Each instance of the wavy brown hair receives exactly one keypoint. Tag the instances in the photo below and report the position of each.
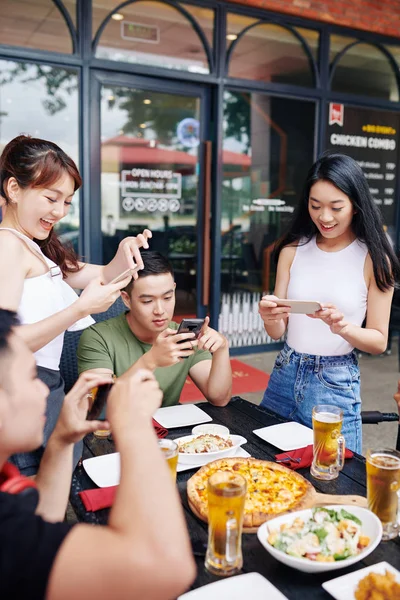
(36, 163)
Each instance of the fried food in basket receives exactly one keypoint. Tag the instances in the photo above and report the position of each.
(378, 587)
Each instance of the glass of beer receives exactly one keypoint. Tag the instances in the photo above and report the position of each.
(383, 489)
(226, 497)
(170, 451)
(329, 444)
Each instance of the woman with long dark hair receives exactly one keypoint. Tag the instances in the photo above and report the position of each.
(336, 252)
(38, 274)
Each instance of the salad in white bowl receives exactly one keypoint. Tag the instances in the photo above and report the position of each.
(322, 539)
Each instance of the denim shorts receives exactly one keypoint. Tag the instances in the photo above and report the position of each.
(300, 381)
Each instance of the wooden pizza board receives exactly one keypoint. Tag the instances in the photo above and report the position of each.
(311, 500)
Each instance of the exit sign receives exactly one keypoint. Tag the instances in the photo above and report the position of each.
(138, 32)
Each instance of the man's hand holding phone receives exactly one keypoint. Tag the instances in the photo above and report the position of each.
(72, 424)
(170, 348)
(210, 339)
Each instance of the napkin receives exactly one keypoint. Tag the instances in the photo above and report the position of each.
(160, 430)
(290, 459)
(98, 498)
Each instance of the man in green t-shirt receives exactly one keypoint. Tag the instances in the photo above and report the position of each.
(146, 337)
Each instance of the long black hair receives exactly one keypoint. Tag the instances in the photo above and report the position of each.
(345, 174)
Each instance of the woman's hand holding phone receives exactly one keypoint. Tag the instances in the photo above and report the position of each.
(97, 297)
(330, 315)
(269, 310)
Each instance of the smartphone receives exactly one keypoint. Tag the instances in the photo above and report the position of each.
(124, 274)
(302, 307)
(97, 410)
(190, 326)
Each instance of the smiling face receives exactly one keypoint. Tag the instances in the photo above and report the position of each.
(35, 211)
(151, 303)
(22, 400)
(331, 211)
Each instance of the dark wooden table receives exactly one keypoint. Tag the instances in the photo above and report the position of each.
(242, 418)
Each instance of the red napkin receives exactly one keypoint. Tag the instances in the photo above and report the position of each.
(160, 430)
(304, 454)
(98, 498)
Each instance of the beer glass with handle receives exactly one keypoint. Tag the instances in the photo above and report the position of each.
(329, 444)
(383, 489)
(226, 497)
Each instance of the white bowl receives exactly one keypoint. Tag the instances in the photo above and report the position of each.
(213, 428)
(195, 458)
(371, 526)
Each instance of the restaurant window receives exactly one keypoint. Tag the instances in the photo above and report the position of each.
(271, 53)
(51, 113)
(267, 150)
(157, 34)
(370, 136)
(337, 43)
(37, 24)
(365, 70)
(150, 175)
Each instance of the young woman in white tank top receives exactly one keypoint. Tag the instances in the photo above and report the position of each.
(337, 253)
(38, 275)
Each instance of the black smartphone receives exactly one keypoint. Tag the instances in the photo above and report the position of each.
(190, 326)
(97, 410)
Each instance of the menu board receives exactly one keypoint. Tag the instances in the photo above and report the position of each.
(371, 137)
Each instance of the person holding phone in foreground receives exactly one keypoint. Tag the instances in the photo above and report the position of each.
(146, 337)
(336, 252)
(38, 274)
(143, 552)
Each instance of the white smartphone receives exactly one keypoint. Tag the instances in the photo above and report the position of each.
(302, 307)
(124, 274)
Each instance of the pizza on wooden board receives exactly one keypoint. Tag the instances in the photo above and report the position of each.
(272, 489)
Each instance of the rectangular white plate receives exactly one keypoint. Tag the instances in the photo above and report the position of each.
(105, 471)
(181, 415)
(248, 585)
(286, 436)
(343, 588)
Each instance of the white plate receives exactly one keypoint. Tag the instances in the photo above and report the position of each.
(286, 436)
(343, 588)
(105, 470)
(181, 415)
(206, 457)
(248, 585)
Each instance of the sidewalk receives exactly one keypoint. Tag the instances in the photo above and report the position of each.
(379, 375)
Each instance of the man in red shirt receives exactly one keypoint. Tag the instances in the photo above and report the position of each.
(144, 551)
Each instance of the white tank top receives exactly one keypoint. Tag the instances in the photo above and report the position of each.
(335, 277)
(42, 297)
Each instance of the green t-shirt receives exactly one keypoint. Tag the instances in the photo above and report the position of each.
(112, 345)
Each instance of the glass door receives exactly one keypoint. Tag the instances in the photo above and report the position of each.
(153, 156)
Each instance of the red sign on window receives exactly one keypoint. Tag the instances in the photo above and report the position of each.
(336, 114)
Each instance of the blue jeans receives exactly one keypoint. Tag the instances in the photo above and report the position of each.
(300, 381)
(28, 462)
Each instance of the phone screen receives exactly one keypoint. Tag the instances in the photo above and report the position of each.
(97, 410)
(191, 326)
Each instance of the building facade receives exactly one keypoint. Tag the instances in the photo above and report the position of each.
(200, 120)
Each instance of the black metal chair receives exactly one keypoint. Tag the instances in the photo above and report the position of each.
(372, 417)
(69, 363)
